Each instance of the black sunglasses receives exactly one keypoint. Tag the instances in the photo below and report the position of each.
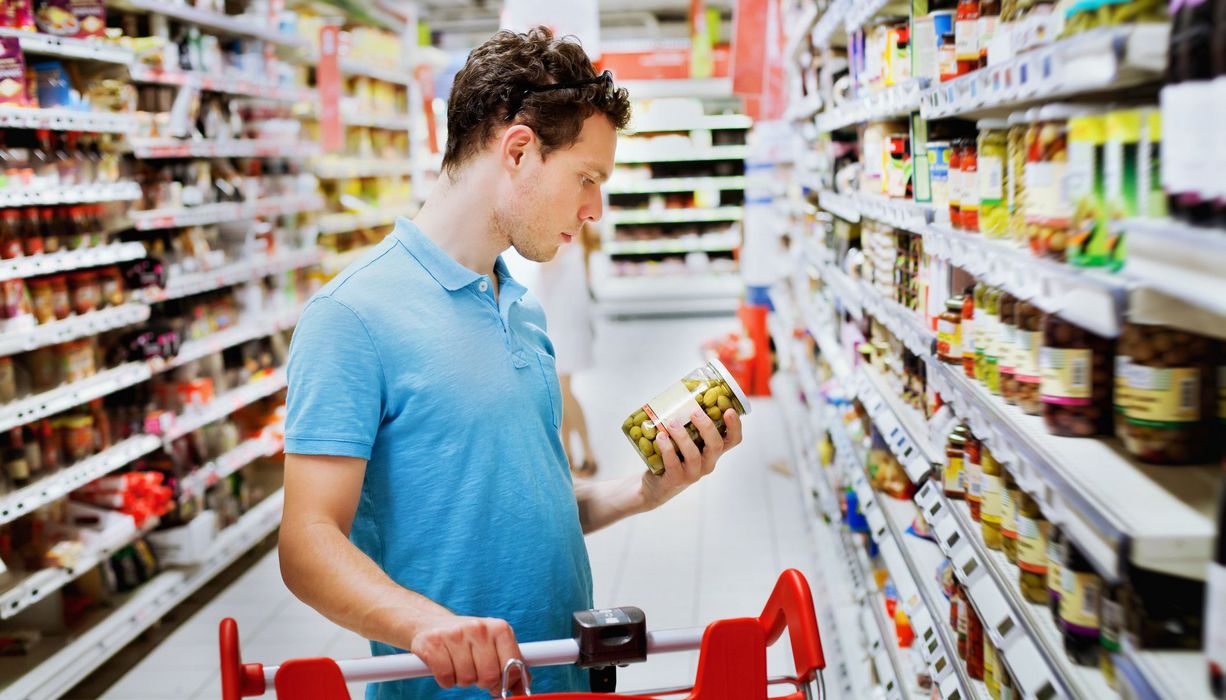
(517, 99)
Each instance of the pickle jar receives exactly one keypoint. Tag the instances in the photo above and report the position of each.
(1164, 394)
(1032, 551)
(1028, 341)
(1006, 362)
(968, 331)
(984, 331)
(1010, 494)
(949, 332)
(1075, 385)
(710, 388)
(991, 499)
(991, 160)
(1014, 182)
(992, 348)
(1049, 202)
(955, 463)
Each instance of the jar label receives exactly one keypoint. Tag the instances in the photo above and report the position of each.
(1008, 514)
(1032, 550)
(966, 39)
(947, 338)
(986, 337)
(1079, 601)
(1008, 357)
(968, 337)
(970, 188)
(1215, 616)
(1055, 555)
(1065, 378)
(674, 403)
(974, 480)
(1028, 345)
(1045, 199)
(990, 510)
(1157, 396)
(953, 476)
(1112, 621)
(991, 181)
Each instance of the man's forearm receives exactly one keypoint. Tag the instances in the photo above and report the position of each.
(602, 503)
(326, 571)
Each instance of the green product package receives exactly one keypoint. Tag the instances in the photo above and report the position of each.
(1088, 244)
(1124, 193)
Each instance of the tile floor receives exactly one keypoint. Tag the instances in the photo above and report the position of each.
(713, 552)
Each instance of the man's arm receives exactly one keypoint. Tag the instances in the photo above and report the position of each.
(326, 571)
(602, 503)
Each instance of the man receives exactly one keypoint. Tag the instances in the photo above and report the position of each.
(428, 501)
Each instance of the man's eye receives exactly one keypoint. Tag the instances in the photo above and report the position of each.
(588, 181)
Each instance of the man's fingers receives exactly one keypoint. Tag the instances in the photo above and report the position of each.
(713, 444)
(732, 426)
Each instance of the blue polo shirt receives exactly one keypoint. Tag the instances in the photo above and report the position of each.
(406, 360)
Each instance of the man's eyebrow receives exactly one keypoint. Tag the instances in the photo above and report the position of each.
(599, 171)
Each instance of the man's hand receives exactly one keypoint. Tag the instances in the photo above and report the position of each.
(468, 651)
(684, 463)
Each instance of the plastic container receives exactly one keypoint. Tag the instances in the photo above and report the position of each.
(991, 157)
(1028, 341)
(1164, 394)
(949, 335)
(710, 388)
(1076, 379)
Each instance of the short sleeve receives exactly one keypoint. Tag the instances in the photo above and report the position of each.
(335, 398)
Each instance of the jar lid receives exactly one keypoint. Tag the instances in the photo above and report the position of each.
(992, 124)
(954, 304)
(957, 438)
(736, 388)
(1017, 118)
(1061, 111)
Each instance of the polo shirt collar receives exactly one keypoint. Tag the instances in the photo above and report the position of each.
(442, 267)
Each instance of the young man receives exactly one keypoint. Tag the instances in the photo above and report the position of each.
(428, 501)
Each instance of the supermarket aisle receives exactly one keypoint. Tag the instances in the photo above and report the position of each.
(713, 552)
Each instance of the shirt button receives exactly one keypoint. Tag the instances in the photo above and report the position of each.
(484, 286)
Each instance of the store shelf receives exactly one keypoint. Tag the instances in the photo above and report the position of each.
(804, 109)
(258, 326)
(155, 148)
(390, 122)
(230, 85)
(66, 260)
(266, 444)
(346, 168)
(257, 27)
(232, 274)
(798, 30)
(1109, 58)
(904, 323)
(1165, 674)
(830, 23)
(194, 418)
(677, 87)
(710, 122)
(675, 216)
(675, 184)
(667, 294)
(62, 398)
(344, 223)
(899, 213)
(1091, 298)
(59, 484)
(56, 119)
(1178, 271)
(65, 660)
(40, 44)
(1098, 494)
(358, 69)
(71, 328)
(640, 154)
(903, 428)
(207, 214)
(674, 246)
(70, 194)
(897, 101)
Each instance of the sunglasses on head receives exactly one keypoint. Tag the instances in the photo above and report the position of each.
(517, 99)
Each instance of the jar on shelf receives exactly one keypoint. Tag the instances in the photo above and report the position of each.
(1032, 551)
(949, 336)
(10, 234)
(984, 331)
(1080, 592)
(1164, 394)
(968, 331)
(1111, 629)
(992, 347)
(1076, 382)
(1010, 496)
(85, 291)
(1015, 184)
(1007, 362)
(974, 642)
(973, 474)
(991, 157)
(970, 185)
(1028, 341)
(710, 388)
(966, 35)
(938, 176)
(955, 461)
(990, 664)
(61, 299)
(991, 499)
(1049, 206)
(955, 183)
(989, 18)
(964, 624)
(1057, 551)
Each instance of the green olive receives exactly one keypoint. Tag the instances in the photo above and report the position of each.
(709, 398)
(628, 423)
(656, 463)
(724, 390)
(640, 417)
(647, 447)
(724, 403)
(636, 433)
(650, 433)
(715, 413)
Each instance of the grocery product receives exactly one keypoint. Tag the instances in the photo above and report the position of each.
(1028, 343)
(1088, 243)
(1034, 548)
(969, 198)
(1165, 394)
(1015, 186)
(710, 388)
(1075, 385)
(992, 155)
(973, 474)
(1057, 552)
(1048, 205)
(992, 349)
(1010, 496)
(956, 149)
(939, 154)
(955, 456)
(1080, 592)
(968, 332)
(966, 32)
(1007, 348)
(992, 497)
(949, 336)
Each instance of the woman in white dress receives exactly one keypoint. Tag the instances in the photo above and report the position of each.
(562, 287)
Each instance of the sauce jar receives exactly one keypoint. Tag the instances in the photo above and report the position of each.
(77, 435)
(955, 460)
(966, 35)
(1007, 348)
(991, 157)
(50, 224)
(8, 380)
(10, 234)
(1028, 340)
(1010, 495)
(710, 388)
(949, 337)
(973, 475)
(1032, 551)
(42, 299)
(1164, 394)
(991, 499)
(955, 183)
(970, 185)
(968, 331)
(110, 280)
(31, 233)
(85, 291)
(1075, 386)
(61, 300)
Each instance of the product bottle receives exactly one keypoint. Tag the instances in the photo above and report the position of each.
(970, 185)
(1010, 495)
(1215, 608)
(991, 507)
(1187, 112)
(989, 16)
(955, 183)
(1081, 589)
(966, 35)
(968, 331)
(955, 455)
(1034, 579)
(974, 475)
(1057, 550)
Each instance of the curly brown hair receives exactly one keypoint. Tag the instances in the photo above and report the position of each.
(499, 70)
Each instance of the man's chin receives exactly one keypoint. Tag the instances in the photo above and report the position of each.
(538, 256)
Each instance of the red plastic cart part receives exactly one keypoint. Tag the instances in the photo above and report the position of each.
(731, 666)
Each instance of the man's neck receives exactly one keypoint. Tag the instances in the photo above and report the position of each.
(458, 218)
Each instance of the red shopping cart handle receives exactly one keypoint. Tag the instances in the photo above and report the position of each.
(732, 661)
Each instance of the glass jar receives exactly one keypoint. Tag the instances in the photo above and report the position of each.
(47, 223)
(76, 435)
(1080, 590)
(1164, 394)
(1088, 244)
(111, 281)
(968, 331)
(949, 335)
(85, 291)
(1057, 551)
(992, 346)
(964, 624)
(61, 300)
(10, 234)
(1111, 629)
(955, 183)
(1049, 207)
(1010, 495)
(970, 185)
(989, 17)
(990, 664)
(1032, 551)
(1007, 359)
(8, 380)
(1014, 182)
(710, 388)
(984, 330)
(1028, 340)
(973, 474)
(955, 460)
(991, 500)
(1076, 382)
(41, 299)
(991, 158)
(31, 233)
(966, 35)
(974, 642)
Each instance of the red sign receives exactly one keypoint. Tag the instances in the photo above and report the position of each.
(661, 64)
(757, 64)
(328, 80)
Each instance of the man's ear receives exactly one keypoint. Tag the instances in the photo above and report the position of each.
(516, 143)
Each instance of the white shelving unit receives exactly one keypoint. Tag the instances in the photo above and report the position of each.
(228, 84)
(71, 328)
(57, 119)
(643, 155)
(72, 194)
(67, 260)
(155, 148)
(62, 398)
(40, 44)
(674, 184)
(206, 214)
(231, 274)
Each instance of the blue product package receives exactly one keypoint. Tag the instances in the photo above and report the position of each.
(54, 87)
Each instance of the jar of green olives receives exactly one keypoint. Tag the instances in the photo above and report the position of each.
(710, 388)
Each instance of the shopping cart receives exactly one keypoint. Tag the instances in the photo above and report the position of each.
(731, 663)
